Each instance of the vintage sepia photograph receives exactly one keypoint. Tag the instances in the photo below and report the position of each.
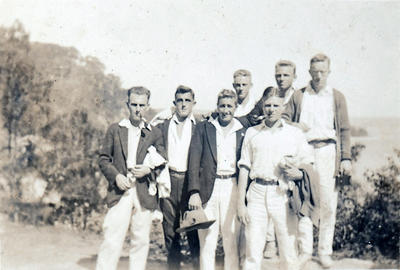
(199, 135)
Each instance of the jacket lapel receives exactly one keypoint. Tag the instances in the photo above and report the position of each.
(144, 137)
(212, 139)
(123, 137)
(166, 134)
(193, 128)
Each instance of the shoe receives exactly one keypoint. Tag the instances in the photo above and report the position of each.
(303, 259)
(326, 261)
(270, 250)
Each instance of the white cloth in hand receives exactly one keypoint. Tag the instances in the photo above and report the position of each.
(163, 182)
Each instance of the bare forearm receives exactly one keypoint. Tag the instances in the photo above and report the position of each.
(242, 185)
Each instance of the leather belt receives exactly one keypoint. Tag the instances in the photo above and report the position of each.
(266, 182)
(226, 176)
(171, 171)
(321, 143)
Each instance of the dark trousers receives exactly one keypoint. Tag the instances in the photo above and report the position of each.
(172, 209)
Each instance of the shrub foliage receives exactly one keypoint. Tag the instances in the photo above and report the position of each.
(368, 224)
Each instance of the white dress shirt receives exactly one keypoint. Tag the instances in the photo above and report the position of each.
(264, 149)
(133, 140)
(317, 113)
(226, 146)
(179, 137)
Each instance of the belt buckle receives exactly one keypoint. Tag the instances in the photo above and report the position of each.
(171, 171)
(225, 176)
(266, 182)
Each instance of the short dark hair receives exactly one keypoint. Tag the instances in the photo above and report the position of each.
(320, 57)
(242, 72)
(182, 89)
(139, 90)
(270, 92)
(286, 63)
(227, 93)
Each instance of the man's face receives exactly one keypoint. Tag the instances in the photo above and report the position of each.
(273, 108)
(184, 104)
(226, 108)
(242, 85)
(284, 76)
(319, 72)
(137, 105)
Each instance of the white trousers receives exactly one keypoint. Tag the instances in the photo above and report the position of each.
(326, 204)
(265, 203)
(222, 207)
(116, 223)
(270, 231)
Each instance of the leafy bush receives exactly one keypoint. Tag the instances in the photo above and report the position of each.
(368, 224)
(67, 159)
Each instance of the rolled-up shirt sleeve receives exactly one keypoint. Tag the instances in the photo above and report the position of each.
(246, 157)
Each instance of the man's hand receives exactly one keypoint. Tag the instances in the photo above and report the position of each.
(123, 182)
(210, 115)
(194, 201)
(345, 167)
(162, 116)
(292, 173)
(242, 214)
(139, 171)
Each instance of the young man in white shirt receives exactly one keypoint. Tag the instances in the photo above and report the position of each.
(321, 112)
(214, 151)
(265, 148)
(177, 133)
(128, 198)
(285, 75)
(242, 84)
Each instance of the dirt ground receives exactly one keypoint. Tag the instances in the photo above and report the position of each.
(46, 247)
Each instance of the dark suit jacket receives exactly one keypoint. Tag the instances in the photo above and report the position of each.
(112, 161)
(203, 158)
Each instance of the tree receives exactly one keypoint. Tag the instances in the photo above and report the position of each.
(23, 90)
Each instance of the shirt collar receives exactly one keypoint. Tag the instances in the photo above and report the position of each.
(247, 101)
(288, 94)
(190, 118)
(126, 123)
(235, 124)
(326, 90)
(279, 124)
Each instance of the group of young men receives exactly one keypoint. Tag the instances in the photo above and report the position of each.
(258, 168)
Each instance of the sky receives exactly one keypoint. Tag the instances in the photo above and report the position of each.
(162, 44)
